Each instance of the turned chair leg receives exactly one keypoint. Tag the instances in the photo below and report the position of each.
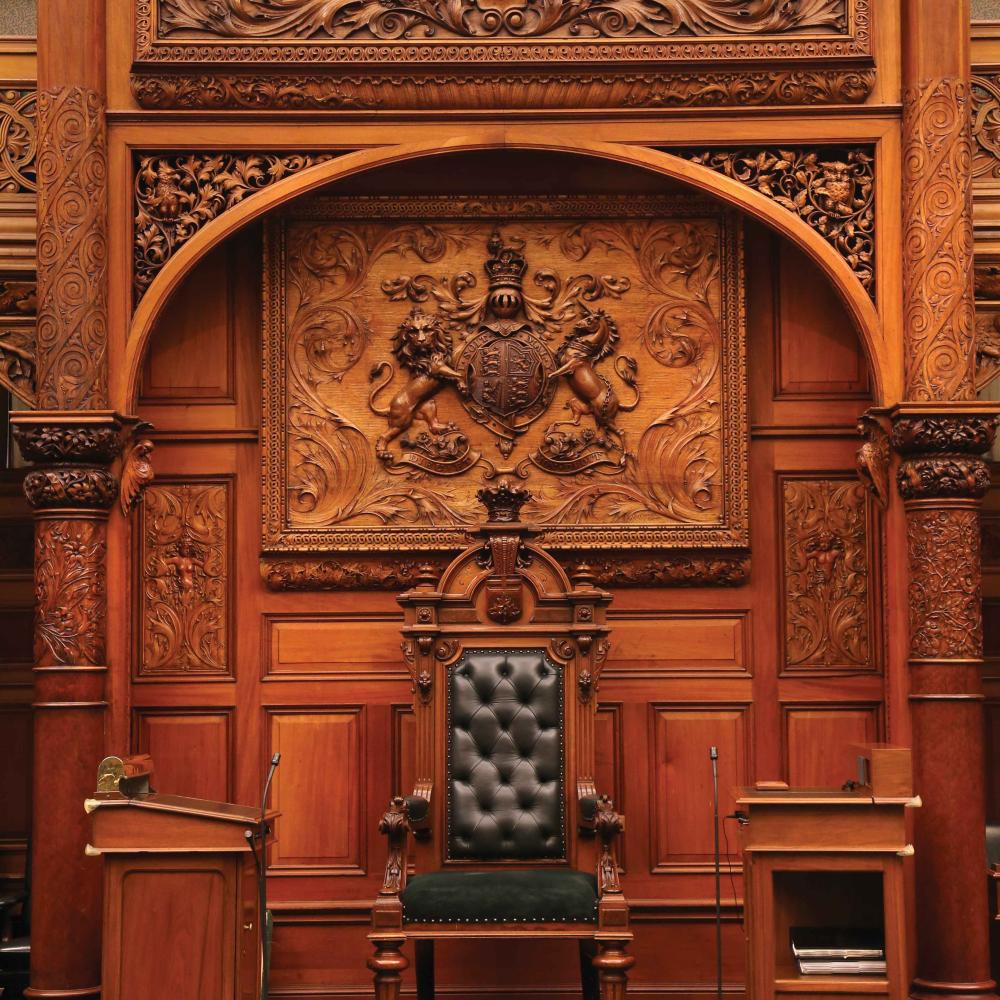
(388, 964)
(612, 965)
(425, 969)
(588, 974)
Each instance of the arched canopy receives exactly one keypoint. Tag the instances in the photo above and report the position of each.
(697, 177)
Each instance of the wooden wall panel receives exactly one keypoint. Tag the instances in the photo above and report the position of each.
(711, 643)
(192, 750)
(349, 645)
(819, 741)
(195, 364)
(319, 789)
(993, 760)
(681, 772)
(15, 771)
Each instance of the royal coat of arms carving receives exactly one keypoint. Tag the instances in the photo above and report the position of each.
(592, 349)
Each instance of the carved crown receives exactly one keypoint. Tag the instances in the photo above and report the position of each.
(503, 502)
(507, 265)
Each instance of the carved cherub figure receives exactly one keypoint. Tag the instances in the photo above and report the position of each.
(185, 564)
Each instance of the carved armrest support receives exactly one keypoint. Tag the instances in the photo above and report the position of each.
(395, 825)
(607, 824)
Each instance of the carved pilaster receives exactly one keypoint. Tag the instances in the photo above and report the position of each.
(72, 332)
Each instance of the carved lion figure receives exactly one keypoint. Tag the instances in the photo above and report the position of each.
(422, 346)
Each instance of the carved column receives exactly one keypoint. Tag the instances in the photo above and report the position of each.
(940, 434)
(73, 439)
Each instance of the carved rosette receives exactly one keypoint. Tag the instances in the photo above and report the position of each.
(72, 330)
(938, 242)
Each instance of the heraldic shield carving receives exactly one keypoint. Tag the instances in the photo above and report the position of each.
(418, 348)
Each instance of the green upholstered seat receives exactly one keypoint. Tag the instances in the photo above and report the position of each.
(557, 895)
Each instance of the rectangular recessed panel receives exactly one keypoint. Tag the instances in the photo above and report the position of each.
(820, 743)
(693, 642)
(15, 770)
(681, 778)
(325, 644)
(319, 788)
(190, 751)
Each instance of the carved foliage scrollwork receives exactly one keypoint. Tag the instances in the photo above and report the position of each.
(184, 568)
(349, 573)
(937, 242)
(399, 19)
(72, 331)
(18, 140)
(986, 125)
(832, 191)
(585, 88)
(942, 456)
(176, 195)
(70, 589)
(945, 598)
(826, 574)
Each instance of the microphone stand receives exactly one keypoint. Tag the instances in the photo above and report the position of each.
(713, 754)
(259, 863)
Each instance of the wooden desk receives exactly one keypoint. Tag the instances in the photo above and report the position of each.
(823, 858)
(181, 913)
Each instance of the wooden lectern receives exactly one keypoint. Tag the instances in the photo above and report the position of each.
(825, 858)
(181, 908)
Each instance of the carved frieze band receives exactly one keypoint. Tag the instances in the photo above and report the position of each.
(184, 567)
(454, 88)
(72, 330)
(938, 242)
(831, 189)
(17, 338)
(308, 31)
(18, 140)
(71, 591)
(668, 569)
(176, 195)
(825, 527)
(942, 456)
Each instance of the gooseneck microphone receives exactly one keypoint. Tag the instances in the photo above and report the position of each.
(713, 754)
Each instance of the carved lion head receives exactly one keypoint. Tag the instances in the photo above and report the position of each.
(419, 338)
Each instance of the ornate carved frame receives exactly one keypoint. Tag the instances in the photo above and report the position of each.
(410, 59)
(348, 557)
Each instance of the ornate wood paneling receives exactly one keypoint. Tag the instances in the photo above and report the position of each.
(681, 778)
(826, 596)
(819, 742)
(261, 56)
(710, 643)
(184, 579)
(176, 195)
(345, 646)
(330, 840)
(986, 125)
(192, 750)
(18, 139)
(384, 410)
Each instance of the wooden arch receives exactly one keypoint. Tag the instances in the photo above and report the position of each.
(732, 192)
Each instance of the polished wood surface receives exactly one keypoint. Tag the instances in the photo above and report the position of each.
(181, 907)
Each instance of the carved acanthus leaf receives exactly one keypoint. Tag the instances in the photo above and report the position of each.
(338, 19)
(454, 88)
(176, 195)
(831, 189)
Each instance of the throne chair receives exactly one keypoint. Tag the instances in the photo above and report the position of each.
(510, 838)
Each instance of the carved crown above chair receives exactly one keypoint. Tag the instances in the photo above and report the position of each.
(512, 839)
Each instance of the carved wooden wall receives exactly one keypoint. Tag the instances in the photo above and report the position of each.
(783, 672)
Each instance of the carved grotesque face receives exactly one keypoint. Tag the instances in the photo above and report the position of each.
(838, 187)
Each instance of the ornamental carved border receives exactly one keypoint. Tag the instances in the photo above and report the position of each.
(938, 307)
(72, 330)
(343, 31)
(177, 194)
(382, 346)
(449, 88)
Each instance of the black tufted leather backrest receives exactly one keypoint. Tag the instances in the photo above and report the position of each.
(505, 756)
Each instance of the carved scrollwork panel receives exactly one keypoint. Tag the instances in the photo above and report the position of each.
(18, 357)
(827, 604)
(18, 140)
(986, 125)
(833, 190)
(938, 242)
(72, 331)
(416, 350)
(184, 566)
(176, 195)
